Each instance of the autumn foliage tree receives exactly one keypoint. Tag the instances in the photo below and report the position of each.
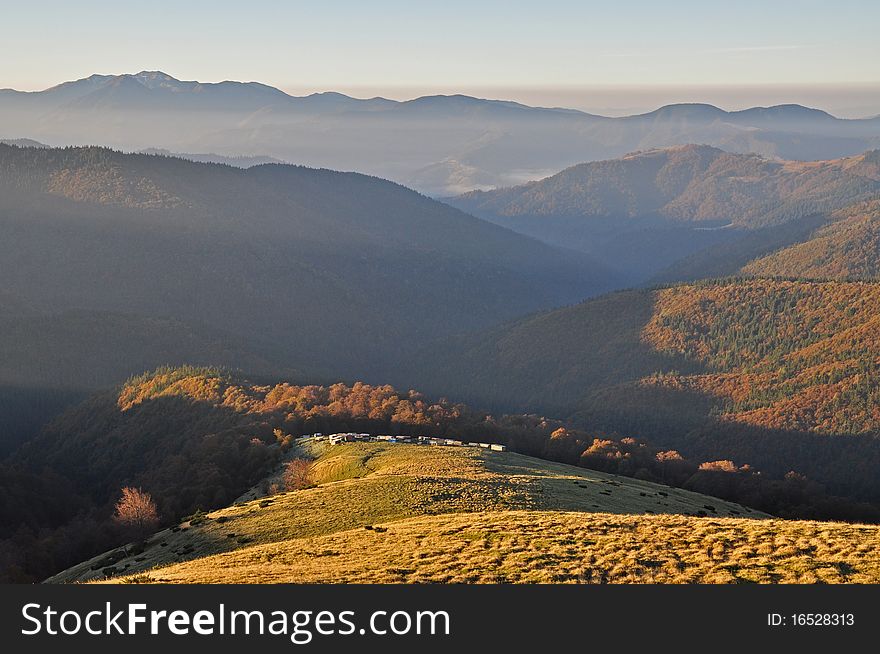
(297, 474)
(136, 512)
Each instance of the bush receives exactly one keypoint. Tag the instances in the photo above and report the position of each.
(297, 474)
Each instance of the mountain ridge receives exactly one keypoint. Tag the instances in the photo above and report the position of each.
(652, 208)
(496, 142)
(159, 80)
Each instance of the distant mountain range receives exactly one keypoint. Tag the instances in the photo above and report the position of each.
(440, 145)
(649, 210)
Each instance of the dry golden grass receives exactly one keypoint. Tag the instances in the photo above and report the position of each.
(553, 547)
(370, 483)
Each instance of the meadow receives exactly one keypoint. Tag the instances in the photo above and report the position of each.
(360, 486)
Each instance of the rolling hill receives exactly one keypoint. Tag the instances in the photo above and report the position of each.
(440, 144)
(23, 143)
(689, 183)
(649, 210)
(370, 487)
(331, 273)
(728, 257)
(778, 374)
(382, 513)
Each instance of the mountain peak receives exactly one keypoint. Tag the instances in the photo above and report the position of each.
(155, 76)
(685, 110)
(157, 80)
(784, 111)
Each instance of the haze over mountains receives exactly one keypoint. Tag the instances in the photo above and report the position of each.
(440, 145)
(116, 263)
(741, 363)
(648, 210)
(113, 263)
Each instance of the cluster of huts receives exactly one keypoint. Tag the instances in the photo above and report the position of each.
(351, 437)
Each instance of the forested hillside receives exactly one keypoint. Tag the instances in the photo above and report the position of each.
(689, 183)
(298, 257)
(114, 263)
(778, 374)
(847, 248)
(52, 360)
(649, 210)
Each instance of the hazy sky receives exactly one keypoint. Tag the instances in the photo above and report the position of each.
(612, 55)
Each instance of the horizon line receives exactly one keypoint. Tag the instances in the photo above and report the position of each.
(546, 88)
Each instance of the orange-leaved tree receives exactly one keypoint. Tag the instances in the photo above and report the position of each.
(297, 474)
(136, 512)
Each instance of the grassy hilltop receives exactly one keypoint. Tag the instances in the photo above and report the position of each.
(359, 485)
(404, 513)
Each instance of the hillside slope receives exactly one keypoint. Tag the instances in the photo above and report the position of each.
(198, 439)
(757, 371)
(750, 341)
(552, 547)
(688, 183)
(361, 485)
(332, 273)
(847, 248)
(648, 210)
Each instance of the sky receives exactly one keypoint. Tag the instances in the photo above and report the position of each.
(610, 57)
